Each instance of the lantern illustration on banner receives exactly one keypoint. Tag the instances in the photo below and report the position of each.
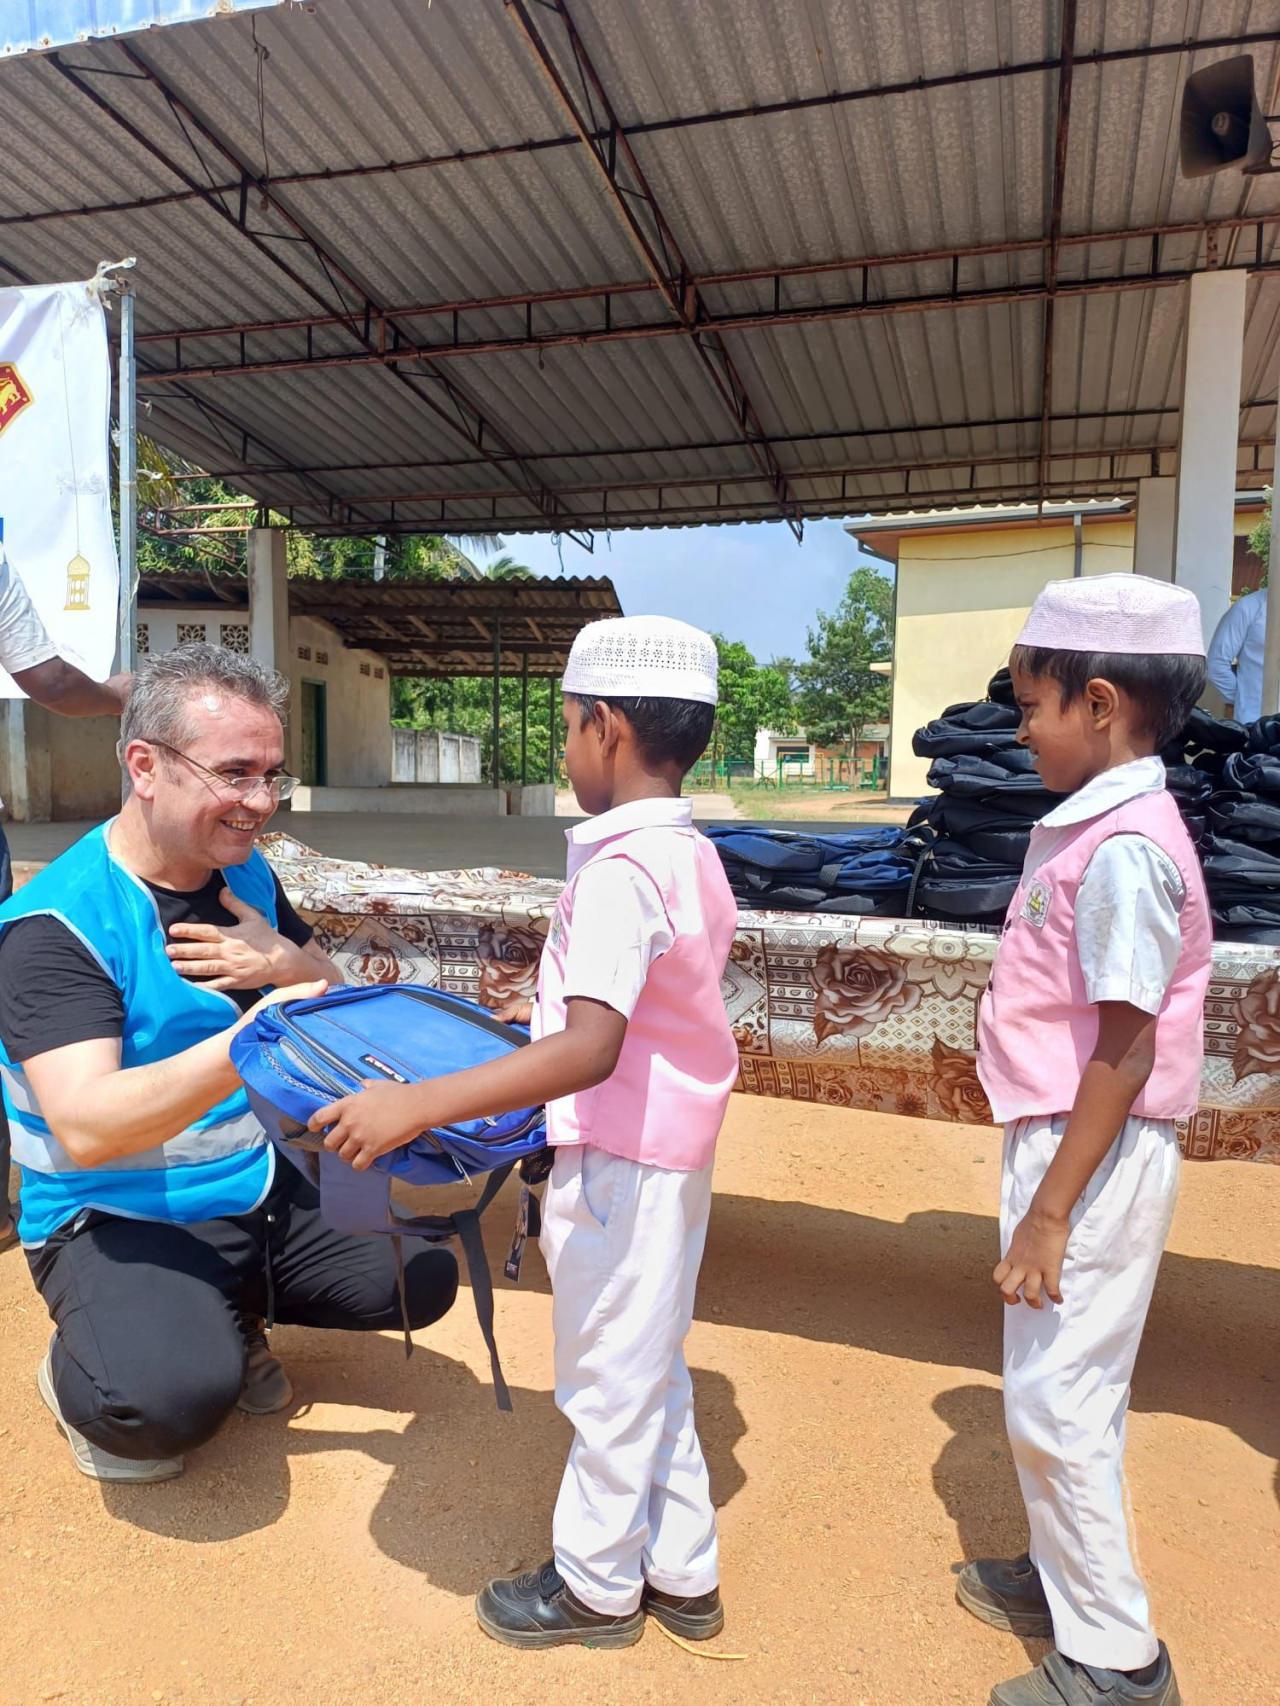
(77, 583)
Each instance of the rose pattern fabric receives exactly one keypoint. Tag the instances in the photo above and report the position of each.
(957, 1085)
(509, 958)
(867, 1014)
(1258, 1044)
(858, 988)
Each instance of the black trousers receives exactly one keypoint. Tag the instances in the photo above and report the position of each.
(148, 1358)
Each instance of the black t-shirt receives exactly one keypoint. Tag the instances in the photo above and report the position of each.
(54, 992)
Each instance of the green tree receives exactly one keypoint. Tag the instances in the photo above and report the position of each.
(752, 697)
(1260, 538)
(838, 694)
(505, 568)
(464, 706)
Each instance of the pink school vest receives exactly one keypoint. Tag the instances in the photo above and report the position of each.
(665, 1101)
(1037, 1029)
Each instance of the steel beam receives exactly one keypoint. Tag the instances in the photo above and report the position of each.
(1061, 141)
(708, 328)
(654, 127)
(913, 499)
(637, 206)
(457, 412)
(222, 420)
(770, 279)
(778, 440)
(608, 489)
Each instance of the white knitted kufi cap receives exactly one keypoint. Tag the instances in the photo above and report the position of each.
(643, 657)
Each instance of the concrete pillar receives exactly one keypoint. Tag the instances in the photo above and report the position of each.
(1271, 644)
(1153, 546)
(269, 624)
(1204, 542)
(26, 761)
(268, 598)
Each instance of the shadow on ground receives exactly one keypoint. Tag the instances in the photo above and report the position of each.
(917, 1289)
(446, 1510)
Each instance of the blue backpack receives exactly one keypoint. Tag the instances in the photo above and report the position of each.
(298, 1056)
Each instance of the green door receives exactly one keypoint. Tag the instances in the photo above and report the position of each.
(315, 738)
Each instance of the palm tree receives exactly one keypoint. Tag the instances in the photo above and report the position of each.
(505, 568)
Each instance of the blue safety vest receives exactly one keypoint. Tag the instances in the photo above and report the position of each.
(221, 1163)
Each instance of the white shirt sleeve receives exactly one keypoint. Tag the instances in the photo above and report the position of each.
(1128, 922)
(23, 640)
(620, 927)
(1226, 646)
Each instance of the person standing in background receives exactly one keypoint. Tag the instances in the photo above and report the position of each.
(1235, 656)
(31, 658)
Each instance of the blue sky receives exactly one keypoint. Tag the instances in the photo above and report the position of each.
(752, 581)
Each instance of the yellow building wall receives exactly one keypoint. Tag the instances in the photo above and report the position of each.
(962, 599)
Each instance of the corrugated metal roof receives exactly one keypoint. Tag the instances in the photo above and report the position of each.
(36, 26)
(427, 627)
(408, 157)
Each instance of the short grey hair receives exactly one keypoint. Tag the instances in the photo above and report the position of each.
(159, 707)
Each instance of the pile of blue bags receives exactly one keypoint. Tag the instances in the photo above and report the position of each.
(860, 870)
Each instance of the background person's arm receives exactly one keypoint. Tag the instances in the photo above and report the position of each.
(59, 686)
(31, 657)
(1225, 647)
(101, 1112)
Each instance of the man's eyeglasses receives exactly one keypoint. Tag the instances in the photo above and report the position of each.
(278, 785)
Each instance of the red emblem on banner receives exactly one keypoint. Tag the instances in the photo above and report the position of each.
(14, 395)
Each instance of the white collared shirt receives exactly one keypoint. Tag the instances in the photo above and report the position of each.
(1129, 903)
(620, 925)
(1236, 656)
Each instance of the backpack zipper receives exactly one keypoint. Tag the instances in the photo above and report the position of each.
(308, 1044)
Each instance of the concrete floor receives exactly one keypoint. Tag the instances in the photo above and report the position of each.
(533, 844)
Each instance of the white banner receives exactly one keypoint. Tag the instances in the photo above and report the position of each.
(55, 484)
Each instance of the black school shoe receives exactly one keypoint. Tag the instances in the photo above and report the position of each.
(1008, 1594)
(698, 1619)
(1060, 1681)
(538, 1609)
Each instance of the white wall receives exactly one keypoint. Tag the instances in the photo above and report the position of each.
(766, 753)
(358, 703)
(358, 700)
(432, 755)
(84, 777)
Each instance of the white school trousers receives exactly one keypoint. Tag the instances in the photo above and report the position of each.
(623, 1244)
(1067, 1369)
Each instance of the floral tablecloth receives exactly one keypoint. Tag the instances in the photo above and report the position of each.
(869, 1013)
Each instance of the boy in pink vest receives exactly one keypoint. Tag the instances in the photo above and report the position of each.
(634, 1057)
(1090, 1046)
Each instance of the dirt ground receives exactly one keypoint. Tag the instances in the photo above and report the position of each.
(845, 1354)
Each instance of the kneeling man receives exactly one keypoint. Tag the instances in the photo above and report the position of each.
(158, 1230)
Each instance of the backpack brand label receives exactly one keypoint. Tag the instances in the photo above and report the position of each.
(382, 1067)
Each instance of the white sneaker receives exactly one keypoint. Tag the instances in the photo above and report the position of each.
(91, 1460)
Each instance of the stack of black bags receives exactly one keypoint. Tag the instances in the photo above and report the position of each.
(970, 839)
(1240, 848)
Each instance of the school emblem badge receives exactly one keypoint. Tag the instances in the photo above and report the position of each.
(1035, 903)
(14, 395)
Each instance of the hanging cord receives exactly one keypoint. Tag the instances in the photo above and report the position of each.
(263, 55)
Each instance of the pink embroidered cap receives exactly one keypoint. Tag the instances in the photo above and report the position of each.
(1125, 615)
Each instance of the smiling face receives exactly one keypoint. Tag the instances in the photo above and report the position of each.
(192, 806)
(1065, 741)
